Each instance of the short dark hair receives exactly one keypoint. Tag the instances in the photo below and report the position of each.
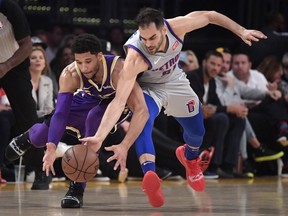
(86, 43)
(146, 16)
(242, 51)
(213, 53)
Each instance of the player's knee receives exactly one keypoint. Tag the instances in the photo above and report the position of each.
(38, 135)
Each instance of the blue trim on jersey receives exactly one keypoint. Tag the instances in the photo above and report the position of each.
(172, 32)
(142, 54)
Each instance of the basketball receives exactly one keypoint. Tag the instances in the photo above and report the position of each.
(80, 163)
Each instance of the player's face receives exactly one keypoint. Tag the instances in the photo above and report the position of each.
(37, 61)
(89, 64)
(241, 66)
(153, 38)
(212, 66)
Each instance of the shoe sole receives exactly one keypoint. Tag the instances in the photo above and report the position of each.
(269, 158)
(152, 188)
(70, 205)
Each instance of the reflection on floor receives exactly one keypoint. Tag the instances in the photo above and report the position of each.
(260, 196)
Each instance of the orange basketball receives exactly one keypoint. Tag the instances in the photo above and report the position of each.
(80, 163)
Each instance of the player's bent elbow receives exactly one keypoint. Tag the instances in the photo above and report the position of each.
(211, 15)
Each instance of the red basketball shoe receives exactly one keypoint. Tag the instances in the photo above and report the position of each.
(151, 185)
(194, 173)
(205, 158)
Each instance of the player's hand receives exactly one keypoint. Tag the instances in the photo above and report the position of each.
(120, 155)
(93, 142)
(248, 36)
(49, 158)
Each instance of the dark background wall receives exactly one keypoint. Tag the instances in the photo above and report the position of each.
(97, 16)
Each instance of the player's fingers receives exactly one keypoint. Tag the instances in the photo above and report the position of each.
(248, 42)
(113, 157)
(53, 170)
(122, 167)
(116, 165)
(85, 139)
(253, 38)
(109, 148)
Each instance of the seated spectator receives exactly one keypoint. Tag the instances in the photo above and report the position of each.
(227, 56)
(232, 91)
(271, 67)
(188, 61)
(262, 115)
(42, 85)
(42, 93)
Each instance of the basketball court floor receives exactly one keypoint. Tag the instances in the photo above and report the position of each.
(265, 196)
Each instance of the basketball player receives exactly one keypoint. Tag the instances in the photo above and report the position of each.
(155, 49)
(92, 79)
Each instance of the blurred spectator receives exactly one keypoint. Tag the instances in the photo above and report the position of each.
(67, 40)
(183, 61)
(188, 61)
(232, 91)
(64, 57)
(193, 63)
(42, 84)
(117, 38)
(42, 35)
(37, 42)
(106, 46)
(54, 38)
(227, 57)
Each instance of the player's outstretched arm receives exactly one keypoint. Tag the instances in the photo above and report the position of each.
(133, 65)
(137, 104)
(68, 83)
(198, 19)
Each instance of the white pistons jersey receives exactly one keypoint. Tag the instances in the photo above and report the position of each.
(164, 80)
(162, 66)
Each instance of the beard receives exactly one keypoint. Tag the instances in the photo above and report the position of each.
(157, 47)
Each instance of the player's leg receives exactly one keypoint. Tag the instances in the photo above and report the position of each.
(194, 130)
(74, 196)
(151, 183)
(37, 136)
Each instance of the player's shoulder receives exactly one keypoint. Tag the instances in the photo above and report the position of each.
(118, 66)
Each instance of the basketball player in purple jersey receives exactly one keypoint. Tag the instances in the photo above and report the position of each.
(86, 87)
(155, 49)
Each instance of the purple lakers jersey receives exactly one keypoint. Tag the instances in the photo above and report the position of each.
(91, 94)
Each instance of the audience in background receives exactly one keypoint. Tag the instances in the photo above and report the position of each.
(232, 91)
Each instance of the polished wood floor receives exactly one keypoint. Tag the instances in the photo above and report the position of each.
(265, 196)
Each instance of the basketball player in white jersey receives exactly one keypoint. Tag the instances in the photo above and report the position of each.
(154, 50)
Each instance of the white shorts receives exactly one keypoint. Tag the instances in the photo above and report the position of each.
(177, 97)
